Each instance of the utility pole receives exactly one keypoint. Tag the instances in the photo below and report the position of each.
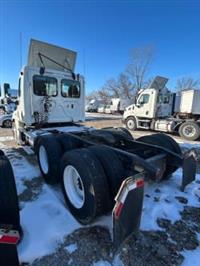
(20, 49)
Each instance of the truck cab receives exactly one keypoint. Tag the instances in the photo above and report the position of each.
(154, 102)
(53, 97)
(49, 92)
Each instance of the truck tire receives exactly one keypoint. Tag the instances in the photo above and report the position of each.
(127, 133)
(7, 123)
(9, 205)
(131, 123)
(120, 131)
(68, 143)
(114, 171)
(49, 153)
(189, 130)
(165, 142)
(84, 185)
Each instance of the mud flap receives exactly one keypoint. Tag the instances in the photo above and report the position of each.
(8, 248)
(189, 169)
(127, 211)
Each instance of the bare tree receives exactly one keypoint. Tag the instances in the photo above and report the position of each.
(125, 86)
(186, 83)
(103, 94)
(141, 60)
(92, 95)
(112, 87)
(100, 94)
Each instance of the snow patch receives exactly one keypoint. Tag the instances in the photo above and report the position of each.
(163, 204)
(22, 169)
(6, 138)
(45, 222)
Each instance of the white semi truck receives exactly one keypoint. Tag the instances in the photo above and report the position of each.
(93, 105)
(118, 105)
(51, 105)
(157, 108)
(7, 99)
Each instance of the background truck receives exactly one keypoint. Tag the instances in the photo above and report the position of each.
(8, 98)
(93, 105)
(118, 105)
(157, 108)
(51, 105)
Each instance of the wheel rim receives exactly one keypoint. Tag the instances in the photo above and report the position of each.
(131, 124)
(43, 159)
(7, 123)
(189, 131)
(74, 187)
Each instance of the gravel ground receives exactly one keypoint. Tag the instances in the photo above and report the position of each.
(89, 245)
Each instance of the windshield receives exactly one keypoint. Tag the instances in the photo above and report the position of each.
(144, 98)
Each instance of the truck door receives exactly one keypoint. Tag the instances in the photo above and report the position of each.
(145, 106)
(164, 105)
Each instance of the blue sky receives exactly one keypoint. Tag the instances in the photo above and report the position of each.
(103, 33)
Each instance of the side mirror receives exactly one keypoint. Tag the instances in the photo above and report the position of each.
(6, 88)
(17, 102)
(138, 105)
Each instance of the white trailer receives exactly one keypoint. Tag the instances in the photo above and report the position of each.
(157, 108)
(51, 105)
(190, 102)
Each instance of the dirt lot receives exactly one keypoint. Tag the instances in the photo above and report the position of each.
(93, 245)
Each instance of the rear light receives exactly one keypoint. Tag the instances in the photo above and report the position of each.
(9, 237)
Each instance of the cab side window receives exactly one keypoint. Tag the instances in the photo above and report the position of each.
(163, 98)
(70, 88)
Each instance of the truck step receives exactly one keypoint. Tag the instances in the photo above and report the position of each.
(144, 120)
